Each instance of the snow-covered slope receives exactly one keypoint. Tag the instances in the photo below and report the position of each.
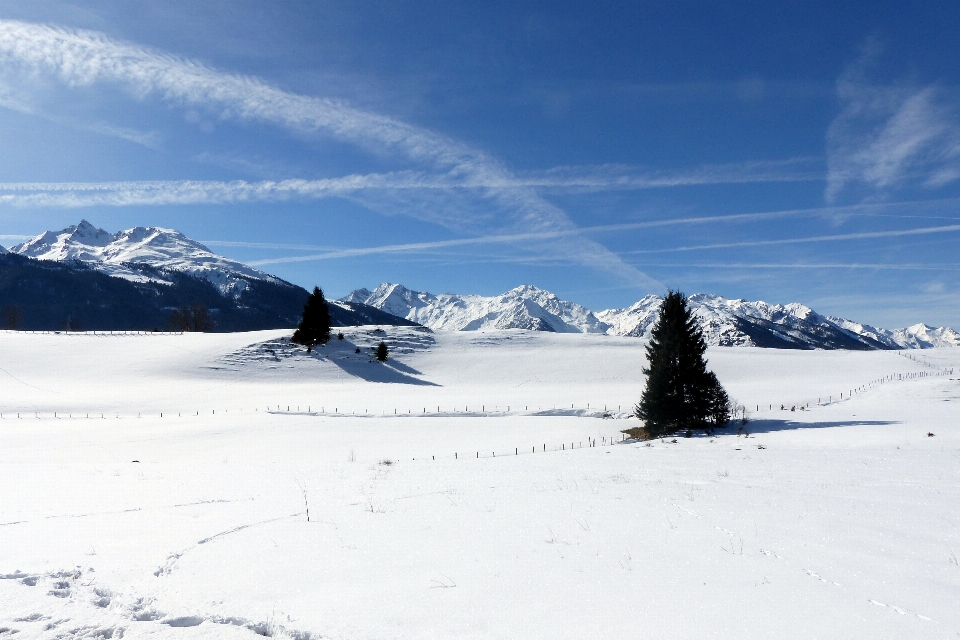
(121, 255)
(725, 322)
(233, 487)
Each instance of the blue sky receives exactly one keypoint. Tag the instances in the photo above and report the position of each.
(783, 151)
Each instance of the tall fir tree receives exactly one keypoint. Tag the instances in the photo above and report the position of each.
(680, 394)
(314, 326)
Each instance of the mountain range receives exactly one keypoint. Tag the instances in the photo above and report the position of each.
(83, 277)
(725, 322)
(143, 254)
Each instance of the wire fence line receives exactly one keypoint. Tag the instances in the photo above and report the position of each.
(589, 410)
(851, 392)
(98, 333)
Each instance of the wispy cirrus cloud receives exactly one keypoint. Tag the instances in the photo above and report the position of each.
(171, 192)
(85, 58)
(591, 178)
(866, 235)
(868, 210)
(608, 177)
(869, 266)
(265, 245)
(20, 101)
(887, 137)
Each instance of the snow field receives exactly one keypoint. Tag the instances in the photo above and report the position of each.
(846, 523)
(469, 372)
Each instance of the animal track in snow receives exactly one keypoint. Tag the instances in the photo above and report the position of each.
(168, 565)
(695, 515)
(813, 574)
(901, 610)
(245, 526)
(100, 613)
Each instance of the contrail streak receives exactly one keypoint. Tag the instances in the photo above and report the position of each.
(84, 58)
(805, 265)
(521, 237)
(846, 236)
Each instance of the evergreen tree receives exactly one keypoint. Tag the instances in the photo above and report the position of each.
(314, 326)
(680, 394)
(719, 403)
(382, 351)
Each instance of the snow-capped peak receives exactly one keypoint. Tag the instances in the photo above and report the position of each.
(525, 307)
(123, 254)
(76, 242)
(922, 336)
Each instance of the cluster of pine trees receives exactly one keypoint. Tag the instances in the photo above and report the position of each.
(681, 395)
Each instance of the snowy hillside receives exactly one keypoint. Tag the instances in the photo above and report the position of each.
(233, 486)
(725, 322)
(120, 254)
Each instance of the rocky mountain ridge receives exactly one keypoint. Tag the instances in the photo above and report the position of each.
(725, 322)
(122, 254)
(85, 277)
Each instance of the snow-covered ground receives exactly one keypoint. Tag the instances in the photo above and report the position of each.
(478, 509)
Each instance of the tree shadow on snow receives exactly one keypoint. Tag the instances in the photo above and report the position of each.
(769, 426)
(362, 365)
(399, 366)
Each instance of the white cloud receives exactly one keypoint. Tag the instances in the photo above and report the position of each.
(167, 192)
(265, 245)
(870, 266)
(625, 177)
(867, 235)
(740, 218)
(20, 100)
(83, 58)
(890, 137)
(149, 139)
